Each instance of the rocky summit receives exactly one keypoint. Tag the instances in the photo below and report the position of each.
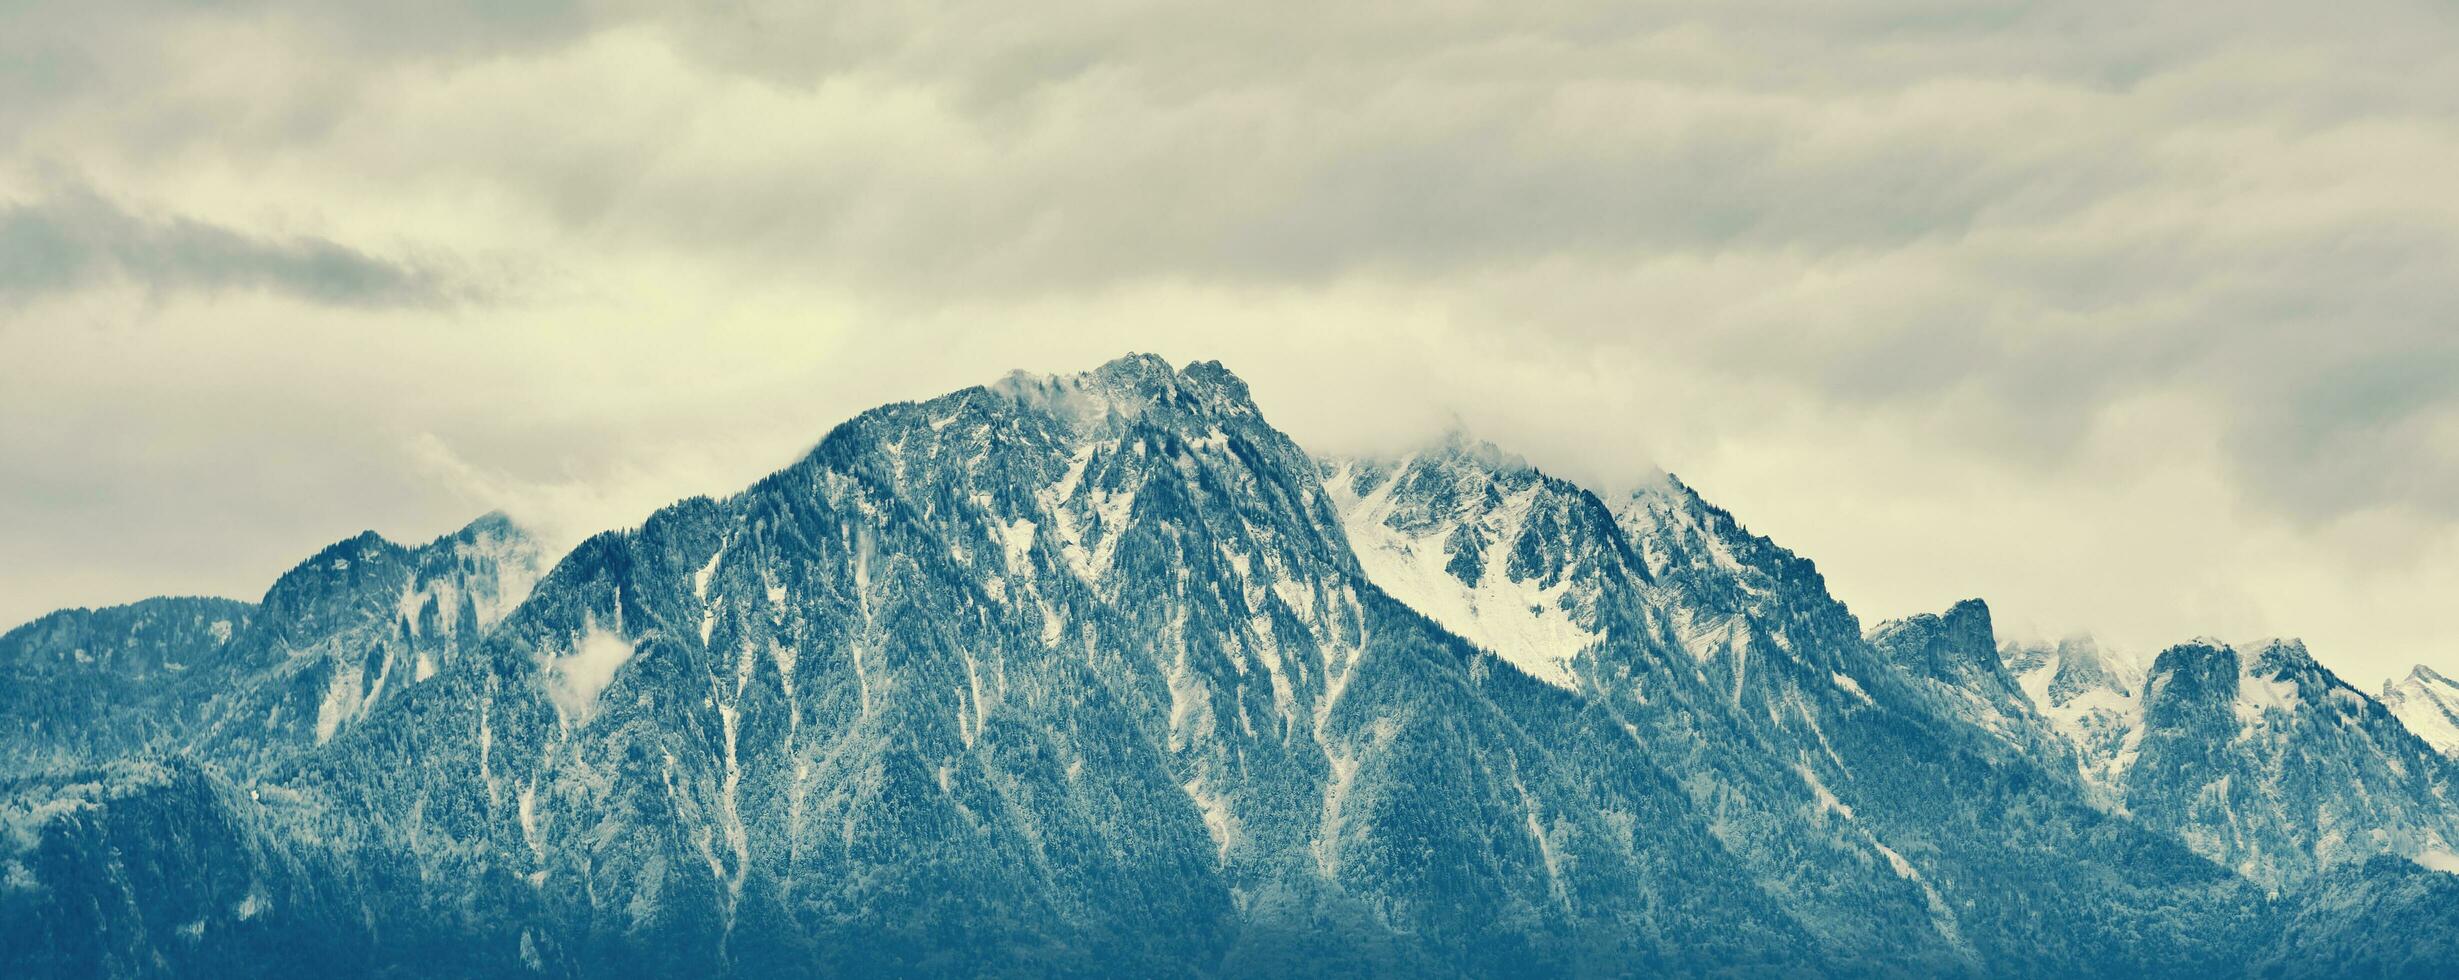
(1104, 675)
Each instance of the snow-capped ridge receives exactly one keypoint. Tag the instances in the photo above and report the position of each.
(2428, 703)
(1000, 657)
(1122, 390)
(2255, 754)
(1451, 531)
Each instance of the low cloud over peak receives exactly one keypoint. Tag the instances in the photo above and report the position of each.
(2130, 320)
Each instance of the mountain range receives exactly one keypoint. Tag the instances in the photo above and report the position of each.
(1102, 674)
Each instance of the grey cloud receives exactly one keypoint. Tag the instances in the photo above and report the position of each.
(77, 239)
(1994, 229)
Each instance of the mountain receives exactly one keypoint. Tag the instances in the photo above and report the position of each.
(1954, 658)
(1878, 822)
(245, 683)
(2385, 917)
(2260, 759)
(1103, 674)
(1079, 670)
(2087, 696)
(2270, 764)
(363, 621)
(101, 683)
(2428, 704)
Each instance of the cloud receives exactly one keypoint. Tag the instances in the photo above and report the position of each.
(76, 239)
(1959, 297)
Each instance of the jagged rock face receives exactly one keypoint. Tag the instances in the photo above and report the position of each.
(90, 684)
(1828, 768)
(360, 622)
(1499, 554)
(1959, 648)
(2271, 765)
(1955, 660)
(1542, 574)
(245, 685)
(2428, 704)
(1731, 593)
(2089, 698)
(2262, 760)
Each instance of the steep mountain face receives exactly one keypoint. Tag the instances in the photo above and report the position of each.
(2428, 704)
(360, 622)
(1540, 573)
(1080, 669)
(1830, 771)
(1955, 660)
(244, 684)
(100, 683)
(1494, 551)
(2087, 696)
(1941, 798)
(1102, 674)
(2262, 759)
(2272, 766)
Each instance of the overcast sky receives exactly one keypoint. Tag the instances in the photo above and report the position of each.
(2137, 320)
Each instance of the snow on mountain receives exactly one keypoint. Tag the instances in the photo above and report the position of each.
(88, 684)
(360, 623)
(2089, 697)
(1085, 660)
(345, 630)
(2428, 703)
(1725, 655)
(2259, 758)
(1731, 596)
(1458, 533)
(1955, 659)
(1100, 673)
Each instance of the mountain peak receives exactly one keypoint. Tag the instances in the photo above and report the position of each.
(494, 523)
(1460, 445)
(1123, 389)
(1971, 613)
(2428, 704)
(2199, 653)
(1662, 486)
(989, 660)
(2278, 657)
(1959, 647)
(341, 556)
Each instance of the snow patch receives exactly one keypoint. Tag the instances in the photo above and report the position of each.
(700, 579)
(1828, 803)
(341, 700)
(2428, 703)
(2259, 696)
(1903, 869)
(1220, 820)
(1519, 620)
